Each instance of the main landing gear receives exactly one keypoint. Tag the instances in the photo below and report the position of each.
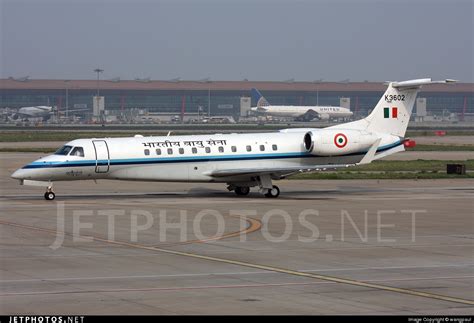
(266, 186)
(273, 192)
(242, 190)
(49, 195)
(267, 192)
(264, 182)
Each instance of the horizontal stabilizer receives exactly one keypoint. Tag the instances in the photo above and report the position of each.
(419, 82)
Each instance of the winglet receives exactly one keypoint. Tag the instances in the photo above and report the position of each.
(369, 156)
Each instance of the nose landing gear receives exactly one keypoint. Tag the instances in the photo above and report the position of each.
(49, 195)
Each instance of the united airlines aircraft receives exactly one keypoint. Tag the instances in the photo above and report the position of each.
(302, 113)
(40, 112)
(43, 112)
(242, 161)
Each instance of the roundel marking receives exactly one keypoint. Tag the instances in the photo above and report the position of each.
(340, 140)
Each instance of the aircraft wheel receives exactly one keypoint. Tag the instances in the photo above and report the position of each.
(49, 196)
(242, 190)
(273, 192)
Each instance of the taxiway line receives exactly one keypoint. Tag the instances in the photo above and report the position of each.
(345, 281)
(152, 289)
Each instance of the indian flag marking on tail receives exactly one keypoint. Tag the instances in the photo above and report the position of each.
(386, 113)
(394, 112)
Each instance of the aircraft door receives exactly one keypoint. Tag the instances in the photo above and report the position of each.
(102, 156)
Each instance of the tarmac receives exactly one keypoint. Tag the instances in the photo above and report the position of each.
(323, 247)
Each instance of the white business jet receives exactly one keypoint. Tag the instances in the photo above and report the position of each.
(240, 160)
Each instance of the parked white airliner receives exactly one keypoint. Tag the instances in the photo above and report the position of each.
(299, 112)
(240, 160)
(40, 111)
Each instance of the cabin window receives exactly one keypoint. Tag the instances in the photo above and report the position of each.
(77, 151)
(221, 149)
(147, 152)
(170, 151)
(234, 149)
(208, 149)
(64, 150)
(181, 151)
(262, 148)
(274, 147)
(194, 150)
(249, 148)
(158, 151)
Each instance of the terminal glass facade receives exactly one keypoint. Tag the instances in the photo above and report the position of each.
(220, 102)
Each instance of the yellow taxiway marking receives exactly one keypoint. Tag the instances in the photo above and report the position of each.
(263, 267)
(252, 226)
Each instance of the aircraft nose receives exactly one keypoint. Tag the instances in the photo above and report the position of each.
(19, 174)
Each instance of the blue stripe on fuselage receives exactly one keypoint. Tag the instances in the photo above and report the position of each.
(184, 159)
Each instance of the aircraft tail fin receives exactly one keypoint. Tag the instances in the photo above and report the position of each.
(392, 113)
(259, 98)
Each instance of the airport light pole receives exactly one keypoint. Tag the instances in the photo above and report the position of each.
(67, 98)
(98, 71)
(208, 81)
(317, 90)
(209, 101)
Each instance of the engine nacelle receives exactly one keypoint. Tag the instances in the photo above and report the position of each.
(335, 142)
(323, 116)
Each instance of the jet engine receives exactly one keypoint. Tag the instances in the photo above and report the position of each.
(323, 116)
(335, 142)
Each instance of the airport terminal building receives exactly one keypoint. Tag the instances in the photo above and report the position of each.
(220, 98)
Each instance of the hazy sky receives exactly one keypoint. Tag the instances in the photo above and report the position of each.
(237, 39)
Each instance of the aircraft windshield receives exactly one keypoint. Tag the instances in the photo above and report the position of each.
(77, 151)
(64, 150)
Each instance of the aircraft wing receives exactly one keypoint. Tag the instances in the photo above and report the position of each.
(73, 110)
(26, 114)
(286, 171)
(44, 108)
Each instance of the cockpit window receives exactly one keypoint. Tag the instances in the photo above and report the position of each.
(64, 150)
(77, 151)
